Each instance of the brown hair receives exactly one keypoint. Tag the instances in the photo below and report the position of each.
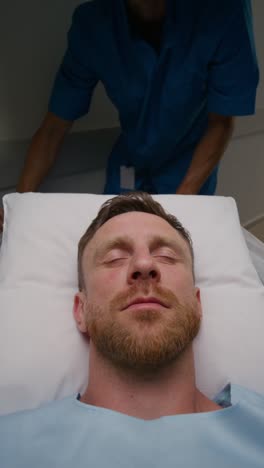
(132, 201)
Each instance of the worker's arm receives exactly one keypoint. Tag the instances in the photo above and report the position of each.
(207, 154)
(233, 76)
(42, 153)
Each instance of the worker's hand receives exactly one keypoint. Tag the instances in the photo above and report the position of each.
(1, 219)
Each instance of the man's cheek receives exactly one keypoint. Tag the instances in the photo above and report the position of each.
(178, 289)
(105, 284)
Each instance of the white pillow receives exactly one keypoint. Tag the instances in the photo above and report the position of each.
(42, 355)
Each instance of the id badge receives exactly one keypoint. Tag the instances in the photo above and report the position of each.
(127, 178)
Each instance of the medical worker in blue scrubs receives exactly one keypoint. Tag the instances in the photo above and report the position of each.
(177, 71)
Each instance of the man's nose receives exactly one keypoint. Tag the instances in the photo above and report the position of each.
(143, 267)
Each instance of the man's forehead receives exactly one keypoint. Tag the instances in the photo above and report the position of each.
(134, 222)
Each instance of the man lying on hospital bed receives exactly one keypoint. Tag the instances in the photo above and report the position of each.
(140, 310)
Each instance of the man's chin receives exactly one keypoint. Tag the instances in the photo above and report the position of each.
(147, 338)
(146, 315)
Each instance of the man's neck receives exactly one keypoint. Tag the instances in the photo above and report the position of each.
(152, 14)
(150, 31)
(168, 392)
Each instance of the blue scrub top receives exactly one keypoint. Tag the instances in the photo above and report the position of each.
(207, 63)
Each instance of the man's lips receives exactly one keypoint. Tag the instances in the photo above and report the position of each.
(150, 301)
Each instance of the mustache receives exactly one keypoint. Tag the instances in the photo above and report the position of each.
(160, 293)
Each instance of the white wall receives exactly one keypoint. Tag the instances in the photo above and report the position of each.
(32, 42)
(241, 173)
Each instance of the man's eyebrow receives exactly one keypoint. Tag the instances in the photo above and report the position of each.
(160, 241)
(117, 243)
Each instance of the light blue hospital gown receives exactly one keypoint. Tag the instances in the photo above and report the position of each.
(71, 434)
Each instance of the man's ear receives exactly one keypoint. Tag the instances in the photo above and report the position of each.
(199, 304)
(79, 311)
